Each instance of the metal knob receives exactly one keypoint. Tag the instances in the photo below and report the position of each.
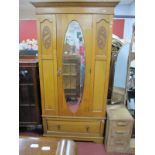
(87, 128)
(58, 126)
(24, 72)
(59, 72)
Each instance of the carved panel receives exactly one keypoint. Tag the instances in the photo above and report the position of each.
(101, 37)
(46, 37)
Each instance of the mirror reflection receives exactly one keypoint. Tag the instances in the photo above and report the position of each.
(73, 65)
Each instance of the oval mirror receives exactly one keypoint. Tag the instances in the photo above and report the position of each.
(73, 65)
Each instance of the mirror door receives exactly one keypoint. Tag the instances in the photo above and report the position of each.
(73, 65)
(74, 62)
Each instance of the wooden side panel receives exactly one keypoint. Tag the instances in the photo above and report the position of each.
(100, 63)
(48, 80)
(99, 85)
(48, 63)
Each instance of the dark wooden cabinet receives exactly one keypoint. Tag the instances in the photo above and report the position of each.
(29, 94)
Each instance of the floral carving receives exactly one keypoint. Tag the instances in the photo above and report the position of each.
(46, 36)
(101, 37)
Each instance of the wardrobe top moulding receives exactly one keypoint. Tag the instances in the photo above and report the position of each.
(70, 6)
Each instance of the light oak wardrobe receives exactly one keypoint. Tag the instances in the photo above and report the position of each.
(74, 38)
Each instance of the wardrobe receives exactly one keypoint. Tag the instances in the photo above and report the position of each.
(74, 40)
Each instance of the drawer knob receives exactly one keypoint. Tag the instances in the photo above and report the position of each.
(119, 143)
(87, 128)
(24, 72)
(122, 123)
(59, 127)
(120, 132)
(59, 72)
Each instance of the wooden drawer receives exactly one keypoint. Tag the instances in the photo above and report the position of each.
(73, 126)
(120, 128)
(121, 125)
(119, 133)
(119, 147)
(118, 144)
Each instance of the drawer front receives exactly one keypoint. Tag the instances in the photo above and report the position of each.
(25, 75)
(121, 125)
(120, 128)
(118, 144)
(118, 147)
(120, 133)
(73, 126)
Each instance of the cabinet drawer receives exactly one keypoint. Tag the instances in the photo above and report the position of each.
(120, 133)
(118, 147)
(118, 144)
(119, 126)
(73, 126)
(25, 75)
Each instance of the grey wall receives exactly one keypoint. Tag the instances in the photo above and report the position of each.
(26, 10)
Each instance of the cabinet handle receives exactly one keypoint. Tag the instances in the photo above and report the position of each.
(119, 143)
(122, 123)
(120, 132)
(58, 126)
(59, 72)
(87, 128)
(24, 72)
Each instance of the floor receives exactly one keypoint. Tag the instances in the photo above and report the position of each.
(84, 148)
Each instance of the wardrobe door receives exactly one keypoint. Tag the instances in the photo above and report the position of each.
(47, 63)
(102, 34)
(80, 28)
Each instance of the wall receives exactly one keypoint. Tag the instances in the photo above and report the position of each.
(28, 29)
(26, 10)
(118, 27)
(121, 64)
